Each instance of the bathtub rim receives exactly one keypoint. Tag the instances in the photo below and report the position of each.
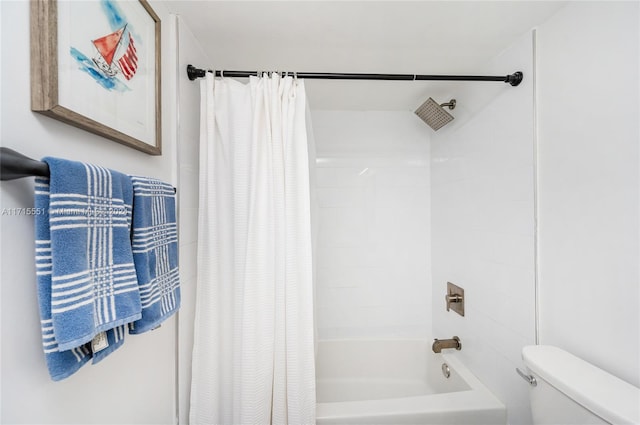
(477, 398)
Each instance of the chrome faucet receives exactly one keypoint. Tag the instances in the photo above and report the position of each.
(439, 344)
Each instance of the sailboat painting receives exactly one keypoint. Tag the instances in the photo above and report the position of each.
(106, 73)
(107, 46)
(115, 57)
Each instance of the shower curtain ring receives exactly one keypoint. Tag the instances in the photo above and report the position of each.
(222, 73)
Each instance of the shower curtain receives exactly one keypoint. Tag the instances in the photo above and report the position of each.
(253, 354)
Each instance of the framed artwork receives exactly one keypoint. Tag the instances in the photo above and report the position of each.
(96, 65)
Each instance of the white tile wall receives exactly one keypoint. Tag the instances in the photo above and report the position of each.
(372, 186)
(483, 232)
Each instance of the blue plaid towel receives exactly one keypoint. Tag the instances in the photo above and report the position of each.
(155, 251)
(87, 284)
(61, 364)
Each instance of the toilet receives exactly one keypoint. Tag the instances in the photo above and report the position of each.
(569, 390)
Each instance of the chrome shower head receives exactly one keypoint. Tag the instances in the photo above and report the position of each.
(434, 114)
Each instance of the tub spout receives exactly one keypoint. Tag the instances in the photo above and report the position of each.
(439, 344)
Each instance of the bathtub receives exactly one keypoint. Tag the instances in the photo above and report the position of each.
(398, 382)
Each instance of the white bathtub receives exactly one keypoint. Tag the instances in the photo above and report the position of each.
(398, 382)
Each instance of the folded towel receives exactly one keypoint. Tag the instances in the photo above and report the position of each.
(155, 251)
(61, 363)
(93, 282)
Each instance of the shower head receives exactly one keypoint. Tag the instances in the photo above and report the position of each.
(434, 114)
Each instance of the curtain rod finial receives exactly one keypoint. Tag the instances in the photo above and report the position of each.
(515, 78)
(193, 72)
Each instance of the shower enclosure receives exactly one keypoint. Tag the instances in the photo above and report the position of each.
(373, 192)
(403, 210)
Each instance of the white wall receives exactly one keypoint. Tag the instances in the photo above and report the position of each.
(135, 384)
(190, 52)
(372, 187)
(587, 190)
(588, 112)
(483, 228)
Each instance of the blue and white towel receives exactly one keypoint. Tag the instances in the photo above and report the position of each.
(86, 277)
(155, 251)
(60, 364)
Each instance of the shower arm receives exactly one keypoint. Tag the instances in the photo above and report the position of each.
(513, 79)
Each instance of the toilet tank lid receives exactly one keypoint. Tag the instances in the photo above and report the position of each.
(607, 396)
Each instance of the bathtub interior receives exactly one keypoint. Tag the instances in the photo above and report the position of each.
(377, 370)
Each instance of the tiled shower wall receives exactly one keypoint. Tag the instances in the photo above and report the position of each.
(373, 254)
(483, 232)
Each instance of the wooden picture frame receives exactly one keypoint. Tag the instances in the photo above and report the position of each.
(96, 65)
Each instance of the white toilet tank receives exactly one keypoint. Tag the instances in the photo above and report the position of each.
(571, 391)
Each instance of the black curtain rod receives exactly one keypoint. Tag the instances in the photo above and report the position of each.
(513, 79)
(14, 165)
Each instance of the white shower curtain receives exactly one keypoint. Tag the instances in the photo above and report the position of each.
(253, 355)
